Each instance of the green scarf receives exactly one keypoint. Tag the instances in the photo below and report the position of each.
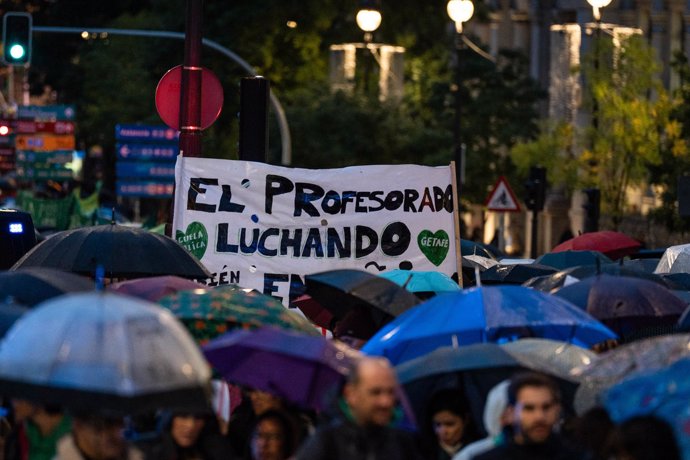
(43, 447)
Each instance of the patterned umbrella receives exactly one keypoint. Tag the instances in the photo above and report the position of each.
(210, 313)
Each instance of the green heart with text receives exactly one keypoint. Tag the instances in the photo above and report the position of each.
(194, 240)
(434, 245)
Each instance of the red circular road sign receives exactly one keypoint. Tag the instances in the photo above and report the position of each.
(168, 97)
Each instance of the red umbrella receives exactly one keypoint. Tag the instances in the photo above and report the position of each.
(616, 245)
(313, 310)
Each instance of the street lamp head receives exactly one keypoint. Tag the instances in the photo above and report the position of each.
(368, 19)
(596, 5)
(460, 11)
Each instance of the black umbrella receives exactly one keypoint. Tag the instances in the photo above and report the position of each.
(32, 285)
(124, 252)
(554, 281)
(629, 306)
(341, 291)
(514, 274)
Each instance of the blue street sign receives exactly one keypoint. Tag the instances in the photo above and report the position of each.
(146, 133)
(153, 152)
(146, 189)
(46, 112)
(144, 169)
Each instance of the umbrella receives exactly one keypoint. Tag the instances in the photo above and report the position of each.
(422, 281)
(481, 262)
(155, 287)
(340, 291)
(551, 283)
(664, 394)
(305, 370)
(553, 357)
(9, 314)
(625, 304)
(477, 368)
(208, 313)
(103, 351)
(314, 311)
(32, 285)
(473, 369)
(676, 259)
(124, 252)
(625, 361)
(515, 273)
(484, 314)
(615, 245)
(567, 259)
(469, 247)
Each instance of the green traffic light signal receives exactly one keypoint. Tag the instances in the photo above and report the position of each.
(16, 38)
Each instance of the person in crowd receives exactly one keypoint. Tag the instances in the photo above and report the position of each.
(495, 420)
(363, 431)
(254, 406)
(272, 437)
(534, 409)
(96, 437)
(643, 438)
(592, 430)
(190, 436)
(450, 424)
(36, 431)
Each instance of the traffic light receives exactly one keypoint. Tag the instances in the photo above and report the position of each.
(16, 38)
(535, 188)
(591, 206)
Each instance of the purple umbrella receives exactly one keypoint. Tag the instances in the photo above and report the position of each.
(305, 370)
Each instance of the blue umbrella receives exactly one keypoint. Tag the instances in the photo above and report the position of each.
(484, 314)
(422, 281)
(665, 394)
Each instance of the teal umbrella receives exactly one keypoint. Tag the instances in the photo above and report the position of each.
(422, 281)
(567, 259)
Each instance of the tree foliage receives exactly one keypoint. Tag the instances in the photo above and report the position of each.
(112, 80)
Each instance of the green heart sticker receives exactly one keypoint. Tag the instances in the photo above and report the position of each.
(194, 240)
(434, 245)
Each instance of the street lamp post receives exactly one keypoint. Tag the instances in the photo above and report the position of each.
(368, 19)
(596, 5)
(460, 11)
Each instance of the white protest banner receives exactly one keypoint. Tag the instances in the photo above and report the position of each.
(264, 227)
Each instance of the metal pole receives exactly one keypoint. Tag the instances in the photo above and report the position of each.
(535, 238)
(190, 91)
(457, 133)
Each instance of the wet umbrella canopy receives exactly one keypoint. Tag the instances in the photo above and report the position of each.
(124, 252)
(208, 313)
(154, 288)
(102, 351)
(615, 245)
(485, 314)
(305, 370)
(31, 286)
(341, 291)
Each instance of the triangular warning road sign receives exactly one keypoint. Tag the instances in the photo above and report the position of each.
(502, 198)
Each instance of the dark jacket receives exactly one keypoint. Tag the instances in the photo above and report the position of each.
(555, 448)
(343, 440)
(210, 446)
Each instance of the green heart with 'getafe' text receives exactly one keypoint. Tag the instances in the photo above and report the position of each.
(434, 245)
(194, 240)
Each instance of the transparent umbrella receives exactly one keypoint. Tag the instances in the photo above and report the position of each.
(103, 351)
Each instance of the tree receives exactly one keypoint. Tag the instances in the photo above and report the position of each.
(631, 126)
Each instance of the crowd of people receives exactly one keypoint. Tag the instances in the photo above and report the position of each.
(523, 419)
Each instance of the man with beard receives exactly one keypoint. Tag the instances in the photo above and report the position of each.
(534, 408)
(363, 431)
